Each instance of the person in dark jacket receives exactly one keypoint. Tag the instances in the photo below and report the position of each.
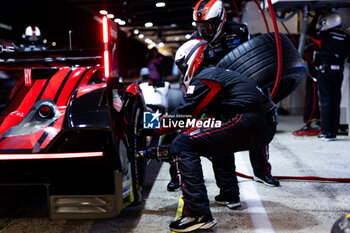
(335, 48)
(244, 120)
(223, 36)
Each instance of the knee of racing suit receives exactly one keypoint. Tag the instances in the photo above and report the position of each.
(182, 143)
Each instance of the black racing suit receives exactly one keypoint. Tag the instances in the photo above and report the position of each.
(335, 47)
(244, 112)
(232, 35)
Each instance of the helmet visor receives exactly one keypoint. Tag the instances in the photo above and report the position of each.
(207, 29)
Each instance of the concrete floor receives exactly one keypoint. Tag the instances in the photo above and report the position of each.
(295, 207)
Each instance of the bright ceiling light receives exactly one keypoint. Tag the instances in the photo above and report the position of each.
(103, 12)
(111, 16)
(117, 20)
(160, 4)
(148, 41)
(188, 36)
(136, 31)
(161, 44)
(141, 36)
(122, 22)
(193, 24)
(148, 24)
(173, 25)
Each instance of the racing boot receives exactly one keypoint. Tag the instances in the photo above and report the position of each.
(173, 185)
(188, 224)
(267, 180)
(231, 203)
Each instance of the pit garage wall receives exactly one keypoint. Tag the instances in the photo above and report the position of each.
(295, 102)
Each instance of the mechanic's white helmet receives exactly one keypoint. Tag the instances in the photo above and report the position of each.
(32, 33)
(328, 21)
(189, 57)
(210, 18)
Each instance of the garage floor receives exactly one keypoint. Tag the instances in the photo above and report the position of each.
(297, 206)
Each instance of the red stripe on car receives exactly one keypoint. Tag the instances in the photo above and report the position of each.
(15, 117)
(55, 83)
(68, 88)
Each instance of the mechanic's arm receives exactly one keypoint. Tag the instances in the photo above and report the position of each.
(199, 94)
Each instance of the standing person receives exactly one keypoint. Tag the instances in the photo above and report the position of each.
(335, 47)
(244, 112)
(223, 36)
(154, 65)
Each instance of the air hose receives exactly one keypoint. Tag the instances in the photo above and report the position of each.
(315, 178)
(236, 9)
(263, 15)
(279, 49)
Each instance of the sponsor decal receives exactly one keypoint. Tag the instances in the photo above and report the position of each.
(117, 102)
(27, 77)
(190, 89)
(6, 48)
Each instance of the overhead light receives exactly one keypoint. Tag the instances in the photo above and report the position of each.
(122, 22)
(117, 20)
(160, 4)
(148, 24)
(103, 12)
(111, 16)
(173, 25)
(148, 41)
(193, 24)
(136, 31)
(161, 44)
(141, 36)
(54, 43)
(44, 41)
(188, 36)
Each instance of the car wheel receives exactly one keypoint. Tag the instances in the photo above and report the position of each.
(257, 59)
(138, 160)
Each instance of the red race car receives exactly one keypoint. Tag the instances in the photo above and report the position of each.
(65, 123)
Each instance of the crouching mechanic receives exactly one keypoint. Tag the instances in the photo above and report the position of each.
(246, 123)
(223, 36)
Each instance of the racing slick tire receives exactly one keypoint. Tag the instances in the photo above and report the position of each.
(257, 59)
(138, 161)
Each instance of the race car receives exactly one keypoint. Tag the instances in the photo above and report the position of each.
(70, 125)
